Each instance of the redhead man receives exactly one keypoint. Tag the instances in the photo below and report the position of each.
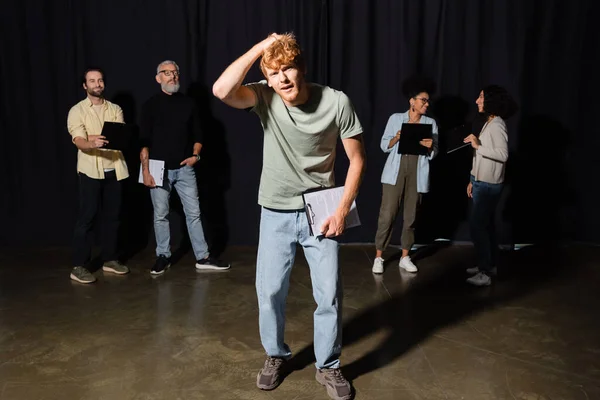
(302, 122)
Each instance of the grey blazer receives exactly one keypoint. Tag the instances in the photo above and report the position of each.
(489, 160)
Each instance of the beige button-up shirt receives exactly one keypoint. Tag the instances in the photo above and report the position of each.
(82, 121)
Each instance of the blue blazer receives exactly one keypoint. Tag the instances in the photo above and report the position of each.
(392, 165)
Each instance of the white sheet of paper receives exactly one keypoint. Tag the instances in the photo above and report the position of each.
(157, 170)
(322, 204)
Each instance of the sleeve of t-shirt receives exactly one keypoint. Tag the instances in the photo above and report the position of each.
(259, 89)
(347, 119)
(146, 125)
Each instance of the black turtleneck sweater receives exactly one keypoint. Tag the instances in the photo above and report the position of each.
(170, 127)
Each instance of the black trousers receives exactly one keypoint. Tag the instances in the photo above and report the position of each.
(99, 201)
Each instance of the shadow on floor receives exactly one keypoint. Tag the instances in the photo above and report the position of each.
(437, 299)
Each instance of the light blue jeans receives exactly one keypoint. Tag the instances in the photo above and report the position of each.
(280, 232)
(184, 181)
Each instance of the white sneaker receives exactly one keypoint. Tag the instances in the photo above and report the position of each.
(480, 279)
(407, 264)
(475, 271)
(378, 266)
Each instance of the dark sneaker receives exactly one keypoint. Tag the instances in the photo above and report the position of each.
(338, 388)
(82, 275)
(161, 265)
(212, 263)
(476, 270)
(115, 267)
(269, 377)
(481, 279)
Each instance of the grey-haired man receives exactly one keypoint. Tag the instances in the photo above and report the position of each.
(171, 132)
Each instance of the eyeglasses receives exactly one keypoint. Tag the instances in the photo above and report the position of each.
(169, 72)
(425, 100)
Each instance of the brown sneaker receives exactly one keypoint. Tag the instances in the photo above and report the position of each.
(115, 267)
(82, 275)
(338, 388)
(269, 377)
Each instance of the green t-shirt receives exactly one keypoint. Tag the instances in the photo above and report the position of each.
(300, 142)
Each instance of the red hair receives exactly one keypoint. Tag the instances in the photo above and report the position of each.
(284, 51)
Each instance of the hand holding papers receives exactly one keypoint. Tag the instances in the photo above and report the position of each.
(322, 204)
(157, 170)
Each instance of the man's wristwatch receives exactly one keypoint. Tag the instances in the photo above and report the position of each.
(197, 156)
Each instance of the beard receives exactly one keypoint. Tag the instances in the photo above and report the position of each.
(295, 96)
(170, 87)
(96, 92)
(291, 95)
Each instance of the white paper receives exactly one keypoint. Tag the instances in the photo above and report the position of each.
(157, 170)
(322, 204)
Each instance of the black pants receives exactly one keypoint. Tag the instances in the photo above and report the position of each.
(95, 194)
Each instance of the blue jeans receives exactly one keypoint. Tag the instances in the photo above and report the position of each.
(280, 232)
(483, 230)
(184, 181)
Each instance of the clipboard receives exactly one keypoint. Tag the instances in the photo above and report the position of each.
(458, 148)
(456, 135)
(411, 135)
(119, 135)
(157, 170)
(321, 203)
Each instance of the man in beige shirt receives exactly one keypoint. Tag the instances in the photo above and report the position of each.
(100, 171)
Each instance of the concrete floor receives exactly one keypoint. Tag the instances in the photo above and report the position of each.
(533, 334)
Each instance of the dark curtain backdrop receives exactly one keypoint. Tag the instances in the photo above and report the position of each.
(543, 51)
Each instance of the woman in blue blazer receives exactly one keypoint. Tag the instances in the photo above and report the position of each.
(405, 176)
